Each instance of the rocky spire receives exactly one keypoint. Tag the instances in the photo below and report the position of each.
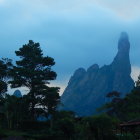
(87, 90)
(123, 43)
(122, 62)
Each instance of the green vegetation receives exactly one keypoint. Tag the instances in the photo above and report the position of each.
(127, 108)
(19, 115)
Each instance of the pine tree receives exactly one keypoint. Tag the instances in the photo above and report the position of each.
(33, 71)
(5, 66)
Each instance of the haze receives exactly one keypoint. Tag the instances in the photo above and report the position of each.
(76, 33)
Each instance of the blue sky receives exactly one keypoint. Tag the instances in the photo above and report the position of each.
(76, 33)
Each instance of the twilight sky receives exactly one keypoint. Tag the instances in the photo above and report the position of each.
(76, 33)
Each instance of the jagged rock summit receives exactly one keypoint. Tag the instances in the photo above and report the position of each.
(87, 89)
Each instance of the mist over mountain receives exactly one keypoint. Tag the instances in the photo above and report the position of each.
(87, 89)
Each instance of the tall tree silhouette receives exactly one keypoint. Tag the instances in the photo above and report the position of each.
(33, 71)
(5, 66)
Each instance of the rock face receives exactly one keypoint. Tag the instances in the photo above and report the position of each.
(17, 93)
(87, 90)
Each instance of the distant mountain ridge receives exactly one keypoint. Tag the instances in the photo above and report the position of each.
(17, 93)
(87, 89)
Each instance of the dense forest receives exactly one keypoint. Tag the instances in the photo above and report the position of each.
(19, 116)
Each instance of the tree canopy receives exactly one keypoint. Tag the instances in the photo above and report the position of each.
(5, 66)
(33, 70)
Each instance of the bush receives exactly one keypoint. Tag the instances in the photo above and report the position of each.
(128, 136)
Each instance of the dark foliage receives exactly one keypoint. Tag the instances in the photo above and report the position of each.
(5, 66)
(33, 71)
(127, 108)
(18, 115)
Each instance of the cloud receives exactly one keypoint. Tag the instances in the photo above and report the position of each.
(124, 9)
(69, 30)
(135, 72)
(2, 2)
(29, 9)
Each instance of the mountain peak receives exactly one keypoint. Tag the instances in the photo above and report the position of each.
(92, 68)
(17, 93)
(123, 43)
(122, 62)
(124, 36)
(87, 90)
